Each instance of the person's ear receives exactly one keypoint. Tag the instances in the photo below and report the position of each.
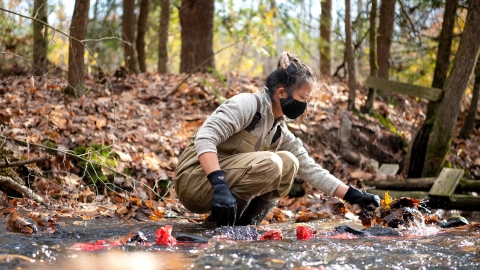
(282, 93)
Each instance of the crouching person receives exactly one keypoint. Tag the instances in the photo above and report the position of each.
(244, 158)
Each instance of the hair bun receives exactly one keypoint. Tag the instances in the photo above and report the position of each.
(284, 61)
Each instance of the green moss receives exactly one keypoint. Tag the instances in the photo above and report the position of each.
(50, 144)
(90, 159)
(128, 171)
(164, 185)
(386, 122)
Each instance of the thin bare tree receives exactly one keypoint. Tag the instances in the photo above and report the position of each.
(40, 37)
(163, 36)
(325, 38)
(350, 58)
(76, 61)
(128, 29)
(141, 33)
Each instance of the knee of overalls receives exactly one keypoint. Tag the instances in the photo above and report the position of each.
(289, 161)
(267, 168)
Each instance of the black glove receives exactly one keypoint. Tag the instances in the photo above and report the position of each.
(224, 205)
(363, 199)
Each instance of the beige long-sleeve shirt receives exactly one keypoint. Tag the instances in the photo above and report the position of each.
(236, 114)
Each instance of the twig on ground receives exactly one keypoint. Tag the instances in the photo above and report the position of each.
(22, 189)
(23, 162)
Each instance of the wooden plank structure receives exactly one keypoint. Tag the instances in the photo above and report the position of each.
(433, 94)
(446, 183)
(440, 195)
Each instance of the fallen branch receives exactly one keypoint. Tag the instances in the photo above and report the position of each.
(71, 153)
(23, 162)
(22, 189)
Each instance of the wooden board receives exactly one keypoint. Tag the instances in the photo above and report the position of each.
(404, 88)
(420, 184)
(391, 183)
(446, 183)
(388, 169)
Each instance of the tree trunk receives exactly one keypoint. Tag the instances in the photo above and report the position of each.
(414, 165)
(384, 39)
(128, 28)
(445, 119)
(40, 37)
(196, 19)
(325, 37)
(163, 36)
(350, 58)
(76, 61)
(472, 112)
(373, 56)
(141, 32)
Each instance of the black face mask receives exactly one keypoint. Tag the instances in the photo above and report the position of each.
(292, 108)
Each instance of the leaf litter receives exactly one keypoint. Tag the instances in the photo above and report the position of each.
(147, 132)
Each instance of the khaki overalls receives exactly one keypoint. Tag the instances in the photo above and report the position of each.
(249, 173)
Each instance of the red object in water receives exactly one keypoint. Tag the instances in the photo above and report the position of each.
(304, 233)
(272, 235)
(163, 236)
(95, 246)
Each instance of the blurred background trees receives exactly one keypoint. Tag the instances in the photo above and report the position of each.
(409, 41)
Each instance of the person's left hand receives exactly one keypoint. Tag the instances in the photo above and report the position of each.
(363, 199)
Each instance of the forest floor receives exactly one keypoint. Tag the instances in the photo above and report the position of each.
(138, 125)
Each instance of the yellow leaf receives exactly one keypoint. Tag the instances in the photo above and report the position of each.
(387, 200)
(43, 31)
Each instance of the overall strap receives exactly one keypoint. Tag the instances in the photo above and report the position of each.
(256, 117)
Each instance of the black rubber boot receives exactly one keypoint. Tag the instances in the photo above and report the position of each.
(256, 211)
(241, 206)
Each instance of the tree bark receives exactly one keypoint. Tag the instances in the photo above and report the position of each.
(350, 58)
(196, 19)
(40, 37)
(472, 112)
(367, 108)
(414, 165)
(325, 38)
(163, 37)
(384, 39)
(445, 118)
(76, 61)
(141, 32)
(128, 29)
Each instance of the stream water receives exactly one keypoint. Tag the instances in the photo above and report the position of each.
(449, 249)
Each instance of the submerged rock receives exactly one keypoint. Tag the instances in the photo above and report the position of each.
(382, 231)
(455, 221)
(238, 232)
(347, 229)
(190, 238)
(372, 231)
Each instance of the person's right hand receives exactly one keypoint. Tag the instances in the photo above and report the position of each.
(224, 205)
(363, 199)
